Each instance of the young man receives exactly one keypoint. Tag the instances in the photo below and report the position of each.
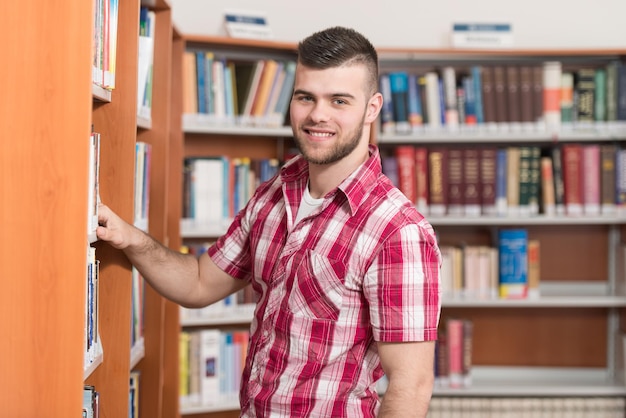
(346, 269)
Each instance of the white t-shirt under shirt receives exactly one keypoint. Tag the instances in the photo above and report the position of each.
(308, 205)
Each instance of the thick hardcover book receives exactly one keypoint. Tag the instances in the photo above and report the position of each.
(451, 115)
(488, 96)
(477, 82)
(454, 339)
(548, 205)
(488, 177)
(513, 180)
(456, 182)
(387, 121)
(608, 153)
(415, 103)
(535, 179)
(513, 96)
(525, 156)
(526, 95)
(538, 95)
(405, 156)
(438, 180)
(567, 97)
(591, 179)
(500, 88)
(552, 96)
(559, 184)
(421, 179)
(501, 182)
(399, 83)
(534, 268)
(612, 91)
(210, 366)
(472, 202)
(599, 108)
(585, 93)
(572, 178)
(513, 265)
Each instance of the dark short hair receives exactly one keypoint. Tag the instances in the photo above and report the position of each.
(337, 46)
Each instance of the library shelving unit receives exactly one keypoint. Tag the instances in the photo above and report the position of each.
(567, 342)
(53, 107)
(203, 137)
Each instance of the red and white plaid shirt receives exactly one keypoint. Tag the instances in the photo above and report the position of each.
(364, 267)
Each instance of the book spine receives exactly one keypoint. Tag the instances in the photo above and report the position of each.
(513, 274)
(552, 96)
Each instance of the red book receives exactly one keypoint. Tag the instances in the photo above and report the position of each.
(438, 181)
(471, 182)
(456, 183)
(421, 179)
(591, 179)
(455, 352)
(572, 178)
(405, 156)
(488, 178)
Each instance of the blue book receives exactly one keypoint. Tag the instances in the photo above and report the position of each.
(513, 263)
(501, 181)
(415, 102)
(399, 83)
(477, 87)
(201, 86)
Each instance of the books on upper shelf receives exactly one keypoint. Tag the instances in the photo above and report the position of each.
(572, 179)
(143, 164)
(219, 90)
(145, 62)
(105, 43)
(542, 97)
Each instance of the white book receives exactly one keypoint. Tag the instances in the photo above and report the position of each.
(208, 190)
(210, 366)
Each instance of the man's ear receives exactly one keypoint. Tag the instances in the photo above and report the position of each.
(373, 107)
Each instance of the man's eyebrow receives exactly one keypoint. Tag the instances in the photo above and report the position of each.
(333, 95)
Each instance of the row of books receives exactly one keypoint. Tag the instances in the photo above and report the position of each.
(453, 353)
(211, 364)
(560, 179)
(217, 188)
(133, 394)
(93, 346)
(227, 91)
(91, 402)
(480, 272)
(104, 43)
(526, 407)
(145, 62)
(507, 97)
(141, 201)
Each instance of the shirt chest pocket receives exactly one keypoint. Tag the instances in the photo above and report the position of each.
(318, 287)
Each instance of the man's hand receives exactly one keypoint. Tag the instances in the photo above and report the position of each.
(112, 228)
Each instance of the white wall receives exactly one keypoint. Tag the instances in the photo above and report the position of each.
(392, 23)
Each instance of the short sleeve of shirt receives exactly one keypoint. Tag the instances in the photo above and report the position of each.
(402, 286)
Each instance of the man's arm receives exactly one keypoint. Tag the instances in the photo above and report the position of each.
(182, 278)
(409, 369)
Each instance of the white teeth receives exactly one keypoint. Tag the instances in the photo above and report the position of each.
(320, 134)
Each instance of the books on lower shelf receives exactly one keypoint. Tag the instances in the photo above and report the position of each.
(508, 270)
(211, 364)
(510, 180)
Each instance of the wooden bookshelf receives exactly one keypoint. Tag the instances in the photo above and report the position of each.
(53, 108)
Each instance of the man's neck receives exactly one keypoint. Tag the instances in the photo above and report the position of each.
(324, 178)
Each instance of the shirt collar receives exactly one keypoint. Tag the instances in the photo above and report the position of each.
(355, 187)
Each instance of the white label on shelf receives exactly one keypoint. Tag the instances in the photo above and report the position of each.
(247, 24)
